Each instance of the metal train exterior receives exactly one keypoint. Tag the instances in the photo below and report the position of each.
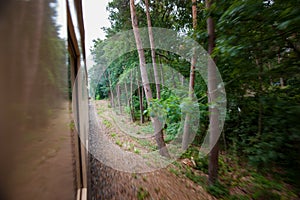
(41, 153)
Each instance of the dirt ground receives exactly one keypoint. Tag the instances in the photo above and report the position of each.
(108, 183)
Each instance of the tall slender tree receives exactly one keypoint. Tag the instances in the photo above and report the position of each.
(156, 75)
(157, 125)
(212, 97)
(186, 129)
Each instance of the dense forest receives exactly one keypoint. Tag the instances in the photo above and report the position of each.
(254, 46)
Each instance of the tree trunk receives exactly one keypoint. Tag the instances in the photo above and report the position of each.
(157, 125)
(140, 91)
(214, 113)
(119, 98)
(111, 91)
(161, 72)
(186, 129)
(131, 103)
(156, 76)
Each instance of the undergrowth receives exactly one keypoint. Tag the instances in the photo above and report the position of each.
(236, 180)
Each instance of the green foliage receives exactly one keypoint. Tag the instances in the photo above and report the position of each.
(142, 193)
(194, 177)
(113, 135)
(134, 175)
(147, 128)
(119, 143)
(146, 143)
(188, 106)
(218, 190)
(242, 60)
(201, 161)
(280, 133)
(144, 178)
(72, 125)
(260, 182)
(264, 188)
(168, 110)
(171, 131)
(264, 194)
(137, 151)
(107, 123)
(127, 109)
(174, 171)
